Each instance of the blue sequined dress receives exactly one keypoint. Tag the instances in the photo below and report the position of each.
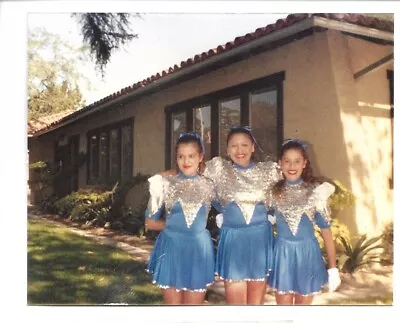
(245, 240)
(298, 263)
(183, 254)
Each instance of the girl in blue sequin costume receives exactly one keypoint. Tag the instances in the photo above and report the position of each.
(182, 260)
(299, 202)
(245, 244)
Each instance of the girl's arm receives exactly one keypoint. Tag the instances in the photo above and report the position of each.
(329, 246)
(322, 217)
(155, 225)
(168, 172)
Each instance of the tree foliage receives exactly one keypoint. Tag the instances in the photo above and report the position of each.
(383, 16)
(53, 75)
(104, 33)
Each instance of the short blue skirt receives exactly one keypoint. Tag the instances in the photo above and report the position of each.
(298, 267)
(183, 260)
(245, 253)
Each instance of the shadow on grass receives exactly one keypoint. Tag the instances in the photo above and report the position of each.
(67, 269)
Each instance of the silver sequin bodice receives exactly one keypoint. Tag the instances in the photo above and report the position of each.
(245, 187)
(192, 193)
(296, 200)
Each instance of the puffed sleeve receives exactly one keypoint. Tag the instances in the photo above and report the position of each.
(320, 197)
(214, 168)
(321, 221)
(156, 200)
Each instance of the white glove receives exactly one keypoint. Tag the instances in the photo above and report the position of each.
(219, 219)
(333, 279)
(272, 219)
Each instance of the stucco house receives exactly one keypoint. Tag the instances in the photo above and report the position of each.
(325, 78)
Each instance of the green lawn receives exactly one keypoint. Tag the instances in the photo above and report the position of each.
(65, 268)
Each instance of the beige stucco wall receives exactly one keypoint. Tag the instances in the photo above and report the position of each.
(320, 106)
(365, 113)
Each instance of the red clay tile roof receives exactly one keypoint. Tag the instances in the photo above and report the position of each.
(358, 19)
(36, 125)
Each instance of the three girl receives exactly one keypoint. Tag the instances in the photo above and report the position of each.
(182, 259)
(299, 201)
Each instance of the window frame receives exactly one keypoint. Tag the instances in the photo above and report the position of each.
(212, 99)
(107, 129)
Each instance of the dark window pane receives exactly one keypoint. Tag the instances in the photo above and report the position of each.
(178, 126)
(103, 165)
(229, 116)
(126, 152)
(202, 125)
(263, 114)
(94, 159)
(114, 156)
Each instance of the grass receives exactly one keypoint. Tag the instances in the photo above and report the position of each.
(67, 269)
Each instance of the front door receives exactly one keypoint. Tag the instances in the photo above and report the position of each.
(65, 158)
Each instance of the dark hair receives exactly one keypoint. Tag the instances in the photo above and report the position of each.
(306, 175)
(244, 130)
(187, 138)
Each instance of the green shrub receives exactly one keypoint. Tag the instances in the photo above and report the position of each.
(341, 199)
(65, 205)
(120, 191)
(47, 205)
(387, 243)
(103, 208)
(363, 252)
(339, 230)
(86, 205)
(133, 221)
(45, 173)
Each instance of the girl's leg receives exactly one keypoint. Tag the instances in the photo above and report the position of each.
(303, 300)
(172, 296)
(284, 299)
(190, 297)
(256, 292)
(236, 292)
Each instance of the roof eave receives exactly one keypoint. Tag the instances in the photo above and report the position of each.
(353, 29)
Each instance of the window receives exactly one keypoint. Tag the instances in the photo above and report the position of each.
(110, 153)
(257, 103)
(126, 151)
(178, 125)
(202, 125)
(103, 169)
(263, 120)
(229, 116)
(94, 160)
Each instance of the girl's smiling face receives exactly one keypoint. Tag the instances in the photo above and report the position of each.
(292, 164)
(188, 158)
(240, 149)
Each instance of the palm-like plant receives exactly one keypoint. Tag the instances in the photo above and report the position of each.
(362, 253)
